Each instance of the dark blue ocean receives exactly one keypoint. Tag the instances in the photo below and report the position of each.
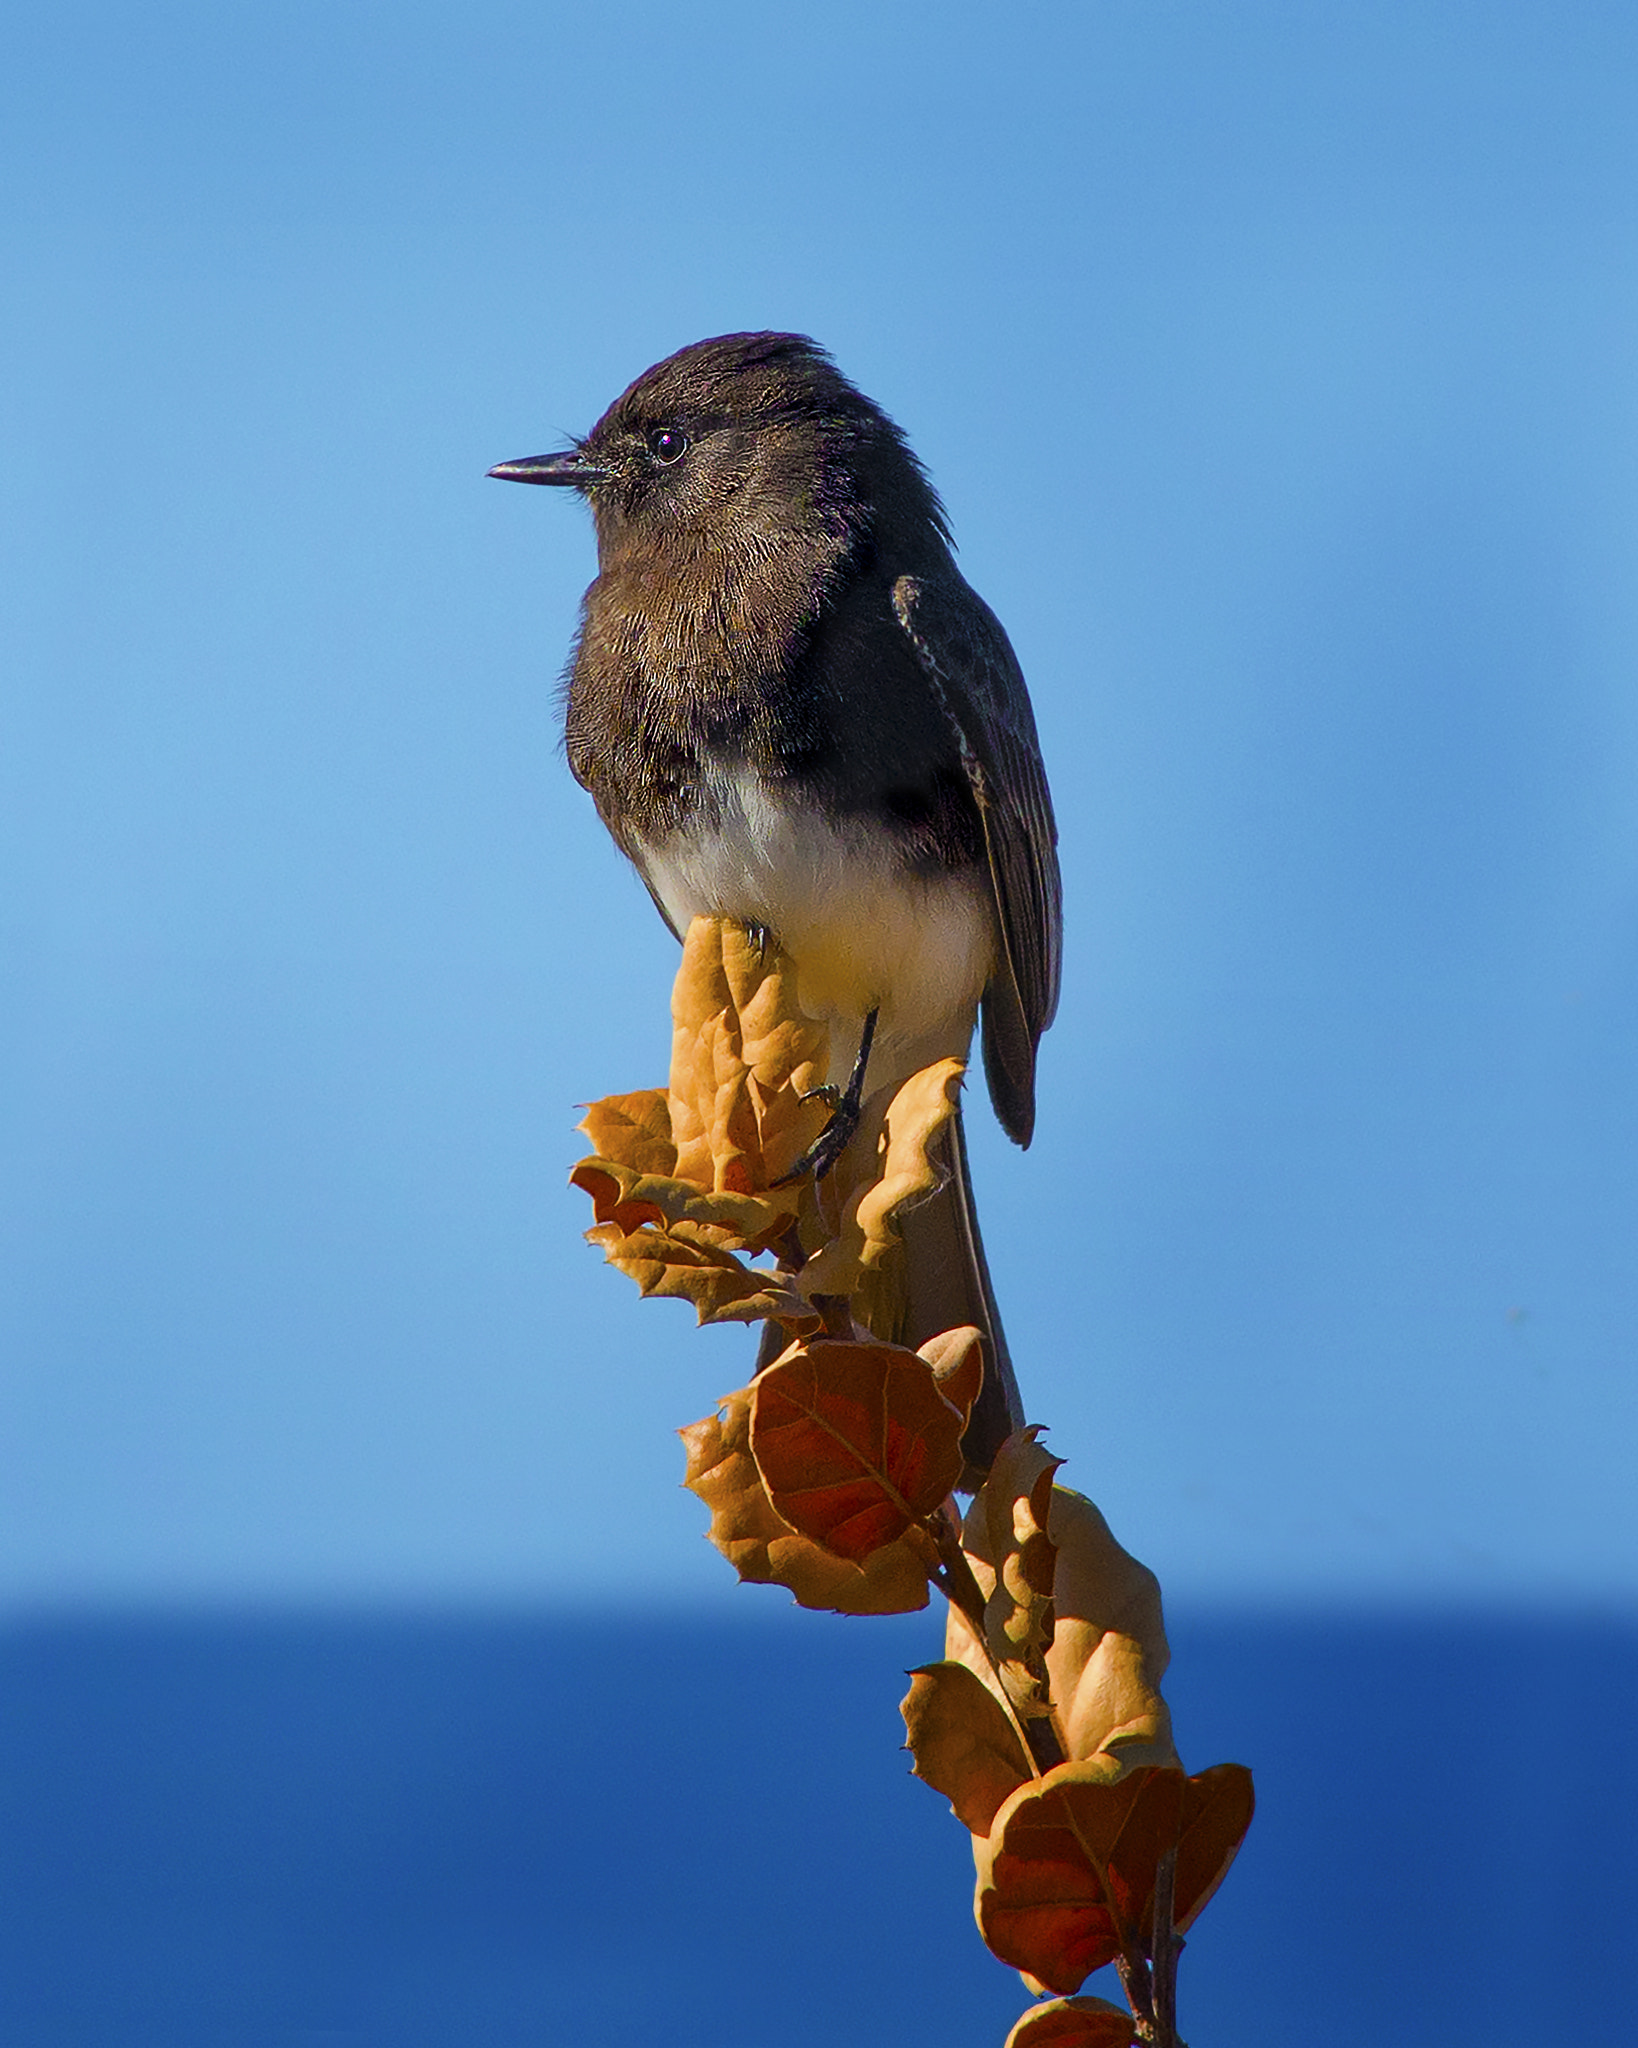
(484, 1832)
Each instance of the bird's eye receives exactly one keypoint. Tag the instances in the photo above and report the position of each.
(666, 445)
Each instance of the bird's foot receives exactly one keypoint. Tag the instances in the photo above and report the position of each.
(845, 1108)
(831, 1142)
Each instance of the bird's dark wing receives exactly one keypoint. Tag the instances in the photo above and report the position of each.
(966, 656)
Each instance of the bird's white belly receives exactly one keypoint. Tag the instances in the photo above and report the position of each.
(865, 932)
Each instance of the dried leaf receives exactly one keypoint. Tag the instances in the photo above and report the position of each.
(886, 1165)
(917, 1116)
(957, 1359)
(963, 1743)
(682, 1183)
(786, 1051)
(633, 1130)
(620, 1195)
(674, 1263)
(1108, 1651)
(1066, 1875)
(854, 1441)
(743, 1056)
(764, 1549)
(1016, 1503)
(1217, 1810)
(1061, 1869)
(1074, 2023)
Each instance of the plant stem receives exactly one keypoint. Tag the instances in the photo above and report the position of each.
(1166, 1948)
(1134, 1981)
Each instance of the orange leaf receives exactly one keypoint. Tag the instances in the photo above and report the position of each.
(963, 1743)
(1074, 2023)
(764, 1549)
(854, 1441)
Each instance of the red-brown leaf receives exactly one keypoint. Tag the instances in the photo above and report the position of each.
(763, 1549)
(1066, 1876)
(854, 1441)
(1061, 1872)
(1217, 1810)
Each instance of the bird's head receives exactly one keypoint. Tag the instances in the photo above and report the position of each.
(739, 445)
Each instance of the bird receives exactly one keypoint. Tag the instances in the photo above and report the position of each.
(791, 710)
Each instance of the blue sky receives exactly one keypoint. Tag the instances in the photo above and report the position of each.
(1276, 366)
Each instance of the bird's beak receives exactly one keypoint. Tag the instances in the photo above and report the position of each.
(571, 466)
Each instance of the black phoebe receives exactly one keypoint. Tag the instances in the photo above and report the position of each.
(791, 710)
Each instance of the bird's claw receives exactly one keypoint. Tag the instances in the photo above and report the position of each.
(831, 1142)
(845, 1106)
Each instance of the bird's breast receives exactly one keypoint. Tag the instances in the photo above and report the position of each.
(866, 928)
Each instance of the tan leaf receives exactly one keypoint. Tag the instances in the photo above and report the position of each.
(917, 1115)
(764, 1549)
(673, 1264)
(613, 1190)
(963, 1743)
(676, 1224)
(633, 1131)
(1074, 2023)
(855, 1442)
(743, 1056)
(1016, 1502)
(743, 1223)
(886, 1165)
(683, 1182)
(726, 1152)
(786, 1051)
(1108, 1651)
(957, 1359)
